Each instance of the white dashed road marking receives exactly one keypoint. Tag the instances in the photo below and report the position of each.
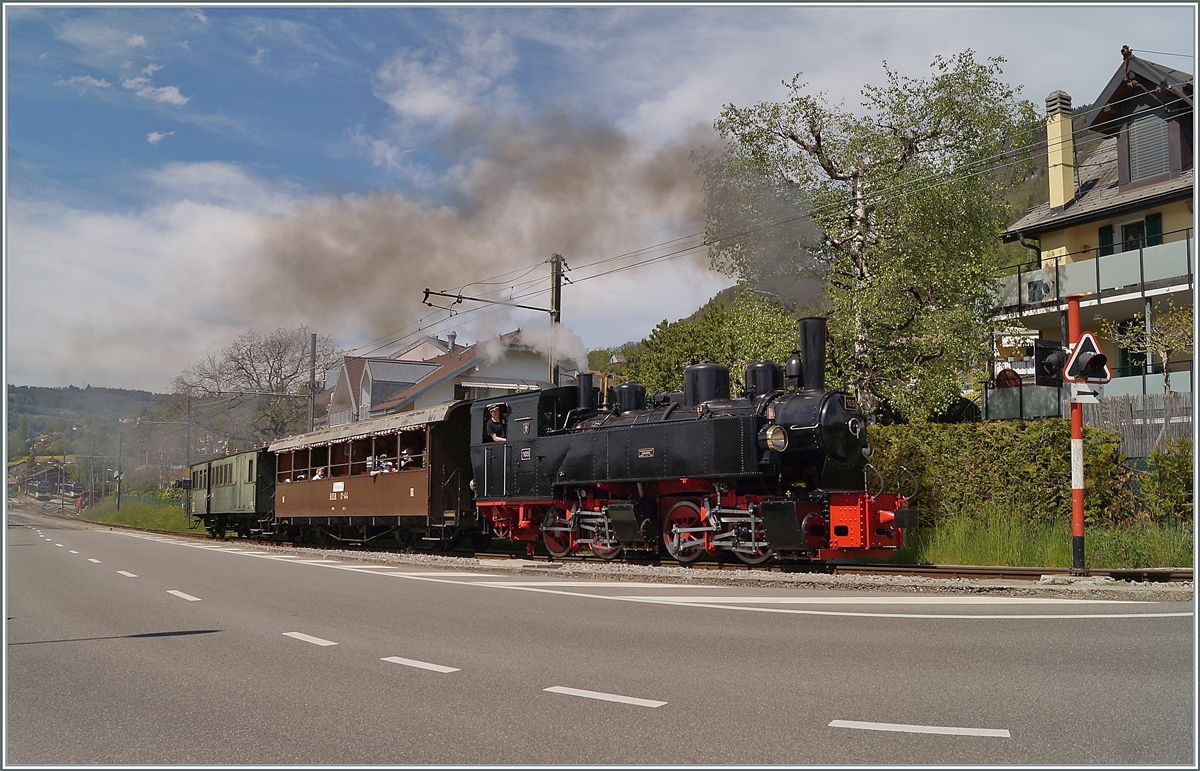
(58, 544)
(92, 560)
(308, 638)
(604, 696)
(419, 664)
(920, 729)
(183, 596)
(127, 574)
(72, 551)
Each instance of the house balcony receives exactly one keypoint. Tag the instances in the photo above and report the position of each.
(341, 417)
(1144, 268)
(1028, 401)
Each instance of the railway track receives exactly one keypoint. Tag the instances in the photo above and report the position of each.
(977, 572)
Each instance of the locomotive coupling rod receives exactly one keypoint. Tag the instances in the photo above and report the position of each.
(459, 298)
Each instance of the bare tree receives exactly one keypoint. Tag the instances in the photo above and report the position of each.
(258, 379)
(1169, 333)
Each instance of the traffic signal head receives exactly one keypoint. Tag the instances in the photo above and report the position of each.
(1048, 361)
(1092, 365)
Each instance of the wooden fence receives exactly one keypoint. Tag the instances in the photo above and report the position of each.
(1143, 421)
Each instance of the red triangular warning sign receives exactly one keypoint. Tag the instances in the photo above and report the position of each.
(1087, 362)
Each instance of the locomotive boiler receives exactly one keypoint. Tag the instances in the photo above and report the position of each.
(778, 470)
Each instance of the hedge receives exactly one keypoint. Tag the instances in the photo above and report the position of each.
(1022, 470)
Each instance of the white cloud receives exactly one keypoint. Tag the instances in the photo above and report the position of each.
(143, 300)
(380, 151)
(143, 88)
(136, 41)
(97, 40)
(154, 137)
(197, 14)
(439, 87)
(152, 68)
(85, 81)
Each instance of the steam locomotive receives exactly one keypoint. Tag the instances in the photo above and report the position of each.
(781, 470)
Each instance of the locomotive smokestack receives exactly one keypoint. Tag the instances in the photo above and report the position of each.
(812, 353)
(587, 401)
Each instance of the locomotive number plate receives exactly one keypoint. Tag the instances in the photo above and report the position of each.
(524, 453)
(851, 403)
(646, 452)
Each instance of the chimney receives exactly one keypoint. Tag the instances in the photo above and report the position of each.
(1060, 149)
(812, 353)
(451, 337)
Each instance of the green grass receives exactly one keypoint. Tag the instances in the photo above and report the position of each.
(145, 514)
(1012, 542)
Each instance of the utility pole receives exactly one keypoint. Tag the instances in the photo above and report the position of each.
(187, 454)
(312, 384)
(556, 276)
(120, 451)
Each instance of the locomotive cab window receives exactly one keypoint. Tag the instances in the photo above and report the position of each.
(495, 422)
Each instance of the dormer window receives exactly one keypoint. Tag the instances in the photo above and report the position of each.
(1149, 146)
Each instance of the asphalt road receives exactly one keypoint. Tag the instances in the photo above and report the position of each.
(128, 648)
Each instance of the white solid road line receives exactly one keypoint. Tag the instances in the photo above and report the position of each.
(308, 638)
(419, 664)
(436, 575)
(181, 595)
(605, 696)
(885, 600)
(127, 574)
(92, 560)
(612, 584)
(920, 729)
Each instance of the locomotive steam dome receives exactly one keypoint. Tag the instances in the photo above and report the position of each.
(630, 396)
(705, 382)
(763, 377)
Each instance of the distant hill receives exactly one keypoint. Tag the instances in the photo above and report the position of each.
(40, 404)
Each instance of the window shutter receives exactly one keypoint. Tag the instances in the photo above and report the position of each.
(1106, 240)
(1154, 229)
(1149, 148)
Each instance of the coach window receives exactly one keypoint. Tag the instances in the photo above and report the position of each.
(385, 449)
(283, 467)
(250, 471)
(320, 460)
(359, 450)
(339, 460)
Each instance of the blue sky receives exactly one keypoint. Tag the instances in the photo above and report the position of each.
(178, 175)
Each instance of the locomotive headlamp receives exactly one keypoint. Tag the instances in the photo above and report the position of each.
(777, 438)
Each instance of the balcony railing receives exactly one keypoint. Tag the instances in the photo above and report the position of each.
(341, 417)
(1034, 401)
(1145, 264)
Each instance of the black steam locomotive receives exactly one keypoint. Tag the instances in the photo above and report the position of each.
(779, 470)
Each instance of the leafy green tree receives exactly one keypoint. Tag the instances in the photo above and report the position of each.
(894, 213)
(733, 334)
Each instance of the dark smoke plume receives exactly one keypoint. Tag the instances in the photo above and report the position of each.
(519, 191)
(761, 231)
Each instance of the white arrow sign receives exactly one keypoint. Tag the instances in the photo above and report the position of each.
(1086, 393)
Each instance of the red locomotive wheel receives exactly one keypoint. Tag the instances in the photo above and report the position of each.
(684, 547)
(556, 534)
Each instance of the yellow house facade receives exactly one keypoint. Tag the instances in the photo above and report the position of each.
(1118, 232)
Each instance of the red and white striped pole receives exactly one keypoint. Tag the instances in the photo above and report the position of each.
(1076, 447)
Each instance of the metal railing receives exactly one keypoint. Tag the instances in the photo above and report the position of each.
(1143, 264)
